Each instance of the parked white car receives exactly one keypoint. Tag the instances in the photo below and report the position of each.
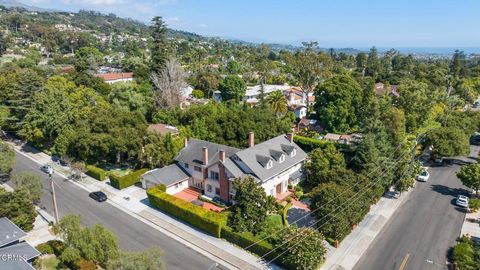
(462, 201)
(47, 169)
(423, 176)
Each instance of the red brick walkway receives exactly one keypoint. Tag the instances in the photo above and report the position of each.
(191, 195)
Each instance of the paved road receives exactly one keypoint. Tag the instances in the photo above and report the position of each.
(425, 227)
(133, 234)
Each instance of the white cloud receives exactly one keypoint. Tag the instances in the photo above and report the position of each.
(203, 25)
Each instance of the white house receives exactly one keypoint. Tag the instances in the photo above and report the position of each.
(252, 93)
(211, 167)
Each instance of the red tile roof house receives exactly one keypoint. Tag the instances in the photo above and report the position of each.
(116, 77)
(211, 168)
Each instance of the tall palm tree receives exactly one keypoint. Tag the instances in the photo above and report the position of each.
(277, 102)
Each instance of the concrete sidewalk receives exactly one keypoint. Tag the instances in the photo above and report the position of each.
(133, 201)
(357, 242)
(471, 225)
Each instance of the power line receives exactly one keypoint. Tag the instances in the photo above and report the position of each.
(349, 188)
(416, 141)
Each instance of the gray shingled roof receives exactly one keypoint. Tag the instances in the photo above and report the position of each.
(9, 232)
(167, 175)
(193, 153)
(15, 265)
(23, 248)
(255, 157)
(233, 168)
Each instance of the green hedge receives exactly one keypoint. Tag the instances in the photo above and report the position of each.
(96, 172)
(197, 216)
(285, 214)
(45, 248)
(308, 144)
(121, 182)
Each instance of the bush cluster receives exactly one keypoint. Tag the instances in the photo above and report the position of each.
(121, 182)
(96, 172)
(308, 144)
(246, 239)
(197, 216)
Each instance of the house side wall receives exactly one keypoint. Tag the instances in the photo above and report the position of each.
(270, 185)
(175, 188)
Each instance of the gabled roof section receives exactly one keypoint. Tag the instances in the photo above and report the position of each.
(9, 232)
(193, 153)
(275, 154)
(254, 157)
(167, 175)
(263, 160)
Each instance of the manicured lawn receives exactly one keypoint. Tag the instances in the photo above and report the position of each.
(49, 263)
(274, 221)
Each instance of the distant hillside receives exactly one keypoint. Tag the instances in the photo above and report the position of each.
(17, 4)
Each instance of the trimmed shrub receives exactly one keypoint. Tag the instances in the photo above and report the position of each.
(308, 144)
(194, 215)
(121, 182)
(474, 204)
(285, 214)
(198, 94)
(246, 239)
(57, 246)
(45, 248)
(96, 172)
(83, 264)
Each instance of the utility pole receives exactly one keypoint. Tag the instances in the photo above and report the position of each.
(52, 187)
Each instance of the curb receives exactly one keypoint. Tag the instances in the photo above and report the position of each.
(167, 232)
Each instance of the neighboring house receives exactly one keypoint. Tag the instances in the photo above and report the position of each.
(380, 89)
(253, 92)
(111, 78)
(332, 137)
(309, 124)
(344, 138)
(163, 129)
(296, 97)
(212, 167)
(300, 111)
(15, 254)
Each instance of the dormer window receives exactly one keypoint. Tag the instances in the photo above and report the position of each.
(282, 158)
(293, 153)
(269, 164)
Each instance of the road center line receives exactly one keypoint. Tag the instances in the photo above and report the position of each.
(404, 262)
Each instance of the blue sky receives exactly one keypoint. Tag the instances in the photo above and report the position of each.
(333, 23)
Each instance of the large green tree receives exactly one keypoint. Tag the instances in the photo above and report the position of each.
(470, 176)
(31, 182)
(448, 142)
(232, 88)
(302, 248)
(276, 100)
(338, 104)
(96, 244)
(159, 48)
(7, 158)
(322, 163)
(416, 101)
(337, 209)
(251, 206)
(18, 207)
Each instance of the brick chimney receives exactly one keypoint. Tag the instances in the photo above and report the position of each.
(221, 155)
(185, 142)
(205, 155)
(290, 137)
(251, 139)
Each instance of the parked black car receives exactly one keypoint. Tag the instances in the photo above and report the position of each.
(98, 196)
